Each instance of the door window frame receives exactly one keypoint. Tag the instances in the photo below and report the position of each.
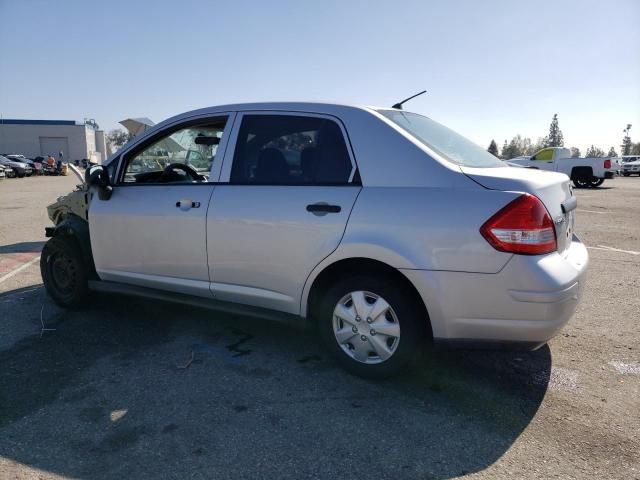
(153, 136)
(227, 163)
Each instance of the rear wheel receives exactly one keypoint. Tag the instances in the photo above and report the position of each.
(581, 182)
(63, 272)
(596, 182)
(374, 328)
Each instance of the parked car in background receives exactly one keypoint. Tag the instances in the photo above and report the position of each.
(2, 174)
(8, 171)
(631, 165)
(20, 168)
(382, 227)
(585, 172)
(36, 166)
(15, 156)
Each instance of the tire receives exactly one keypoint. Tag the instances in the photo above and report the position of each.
(63, 272)
(405, 317)
(626, 174)
(596, 182)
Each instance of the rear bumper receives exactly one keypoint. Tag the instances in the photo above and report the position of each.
(525, 304)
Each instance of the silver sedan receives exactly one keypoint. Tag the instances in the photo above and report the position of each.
(384, 228)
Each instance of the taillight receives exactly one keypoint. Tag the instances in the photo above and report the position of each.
(607, 163)
(523, 226)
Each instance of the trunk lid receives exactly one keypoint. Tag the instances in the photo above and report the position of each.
(552, 188)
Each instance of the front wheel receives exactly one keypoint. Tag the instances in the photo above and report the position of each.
(64, 272)
(374, 328)
(596, 182)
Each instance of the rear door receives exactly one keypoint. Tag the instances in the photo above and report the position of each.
(152, 231)
(287, 188)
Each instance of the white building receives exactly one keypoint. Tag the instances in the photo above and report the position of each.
(33, 138)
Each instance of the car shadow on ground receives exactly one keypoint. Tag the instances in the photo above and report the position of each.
(140, 389)
(22, 247)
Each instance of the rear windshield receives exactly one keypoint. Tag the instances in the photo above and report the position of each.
(446, 142)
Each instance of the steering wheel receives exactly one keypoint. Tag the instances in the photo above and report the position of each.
(188, 169)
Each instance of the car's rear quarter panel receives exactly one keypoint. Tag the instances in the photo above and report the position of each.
(426, 228)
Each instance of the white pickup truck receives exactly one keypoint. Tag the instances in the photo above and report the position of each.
(585, 172)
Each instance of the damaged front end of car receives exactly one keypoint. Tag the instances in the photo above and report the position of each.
(74, 203)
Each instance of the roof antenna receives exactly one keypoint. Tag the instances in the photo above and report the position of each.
(399, 104)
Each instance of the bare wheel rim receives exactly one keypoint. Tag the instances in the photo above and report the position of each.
(63, 272)
(366, 327)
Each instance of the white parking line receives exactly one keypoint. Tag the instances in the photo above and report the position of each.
(589, 211)
(632, 368)
(18, 270)
(611, 249)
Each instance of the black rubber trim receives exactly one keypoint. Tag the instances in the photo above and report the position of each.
(193, 300)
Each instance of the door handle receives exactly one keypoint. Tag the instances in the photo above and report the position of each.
(322, 208)
(187, 204)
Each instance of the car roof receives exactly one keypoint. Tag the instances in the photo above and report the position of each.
(311, 107)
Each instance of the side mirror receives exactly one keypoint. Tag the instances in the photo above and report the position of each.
(98, 177)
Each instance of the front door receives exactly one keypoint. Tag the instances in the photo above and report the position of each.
(152, 231)
(543, 160)
(282, 206)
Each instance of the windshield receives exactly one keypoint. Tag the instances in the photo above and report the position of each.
(450, 145)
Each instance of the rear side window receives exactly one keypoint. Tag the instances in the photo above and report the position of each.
(450, 145)
(290, 150)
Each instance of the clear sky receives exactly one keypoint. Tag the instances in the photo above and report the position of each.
(493, 69)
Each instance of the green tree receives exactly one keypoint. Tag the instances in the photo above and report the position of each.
(626, 141)
(530, 148)
(612, 153)
(520, 146)
(493, 148)
(555, 137)
(575, 152)
(117, 137)
(593, 151)
(503, 152)
(636, 149)
(513, 149)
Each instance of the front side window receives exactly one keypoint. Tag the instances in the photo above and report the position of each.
(290, 150)
(544, 155)
(450, 145)
(183, 156)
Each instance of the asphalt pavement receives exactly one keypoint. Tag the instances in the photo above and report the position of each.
(132, 388)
